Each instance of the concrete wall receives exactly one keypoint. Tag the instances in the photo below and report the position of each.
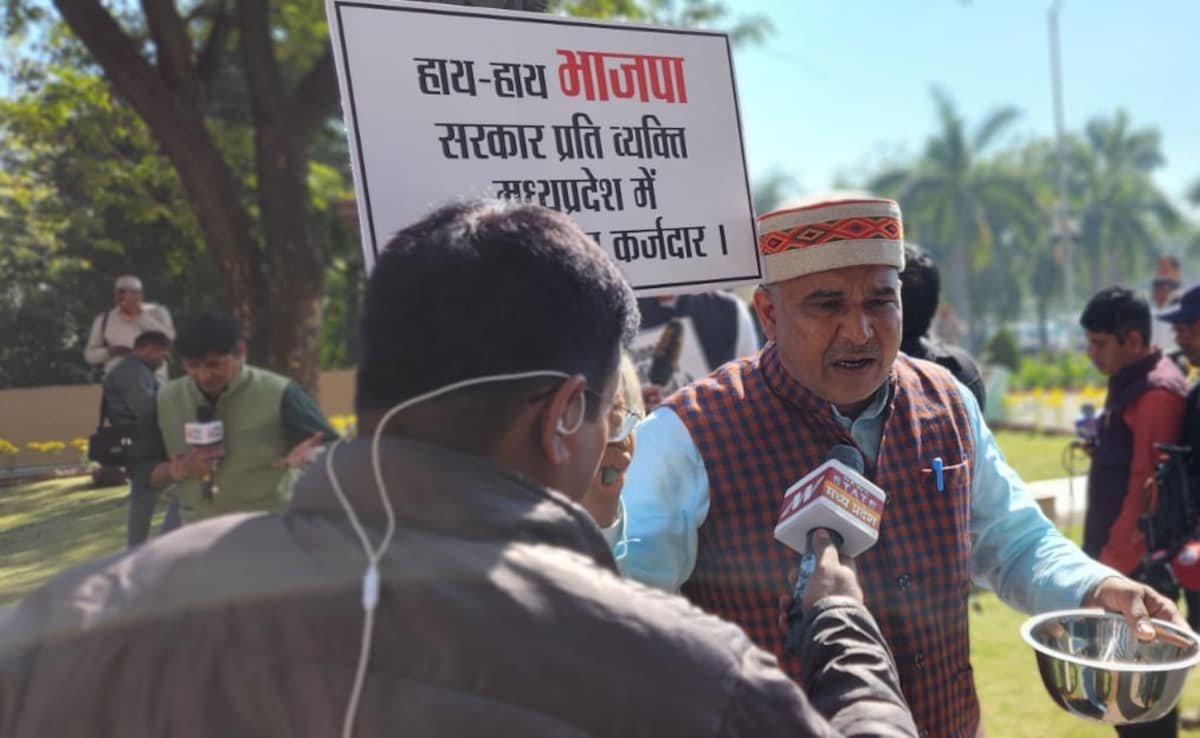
(62, 413)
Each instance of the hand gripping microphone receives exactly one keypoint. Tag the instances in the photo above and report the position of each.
(834, 496)
(666, 354)
(207, 430)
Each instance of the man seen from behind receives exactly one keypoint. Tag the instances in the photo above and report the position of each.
(129, 392)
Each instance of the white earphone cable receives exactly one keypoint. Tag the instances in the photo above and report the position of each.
(370, 590)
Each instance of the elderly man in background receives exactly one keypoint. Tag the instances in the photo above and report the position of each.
(1164, 293)
(114, 331)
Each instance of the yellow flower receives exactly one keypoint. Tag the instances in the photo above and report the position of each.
(1055, 397)
(79, 443)
(7, 447)
(46, 447)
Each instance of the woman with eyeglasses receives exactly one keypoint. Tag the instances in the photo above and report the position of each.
(604, 496)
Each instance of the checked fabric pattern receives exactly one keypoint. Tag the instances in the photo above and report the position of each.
(843, 229)
(758, 432)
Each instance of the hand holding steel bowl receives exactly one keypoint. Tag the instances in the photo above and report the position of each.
(1093, 665)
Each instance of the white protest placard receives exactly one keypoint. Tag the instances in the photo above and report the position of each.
(633, 131)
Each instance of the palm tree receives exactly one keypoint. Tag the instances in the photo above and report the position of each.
(771, 192)
(1122, 213)
(954, 200)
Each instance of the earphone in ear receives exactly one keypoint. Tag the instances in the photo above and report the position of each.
(562, 429)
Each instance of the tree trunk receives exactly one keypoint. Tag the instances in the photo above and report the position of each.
(289, 333)
(226, 226)
(1043, 333)
(167, 98)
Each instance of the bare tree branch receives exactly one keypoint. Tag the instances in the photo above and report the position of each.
(263, 78)
(316, 97)
(173, 49)
(209, 60)
(130, 74)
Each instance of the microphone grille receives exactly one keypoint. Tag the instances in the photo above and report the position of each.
(848, 455)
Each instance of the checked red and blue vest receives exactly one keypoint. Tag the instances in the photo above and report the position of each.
(758, 432)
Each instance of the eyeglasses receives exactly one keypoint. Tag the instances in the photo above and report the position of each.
(620, 430)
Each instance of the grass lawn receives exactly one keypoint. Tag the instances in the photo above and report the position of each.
(1015, 705)
(1037, 456)
(50, 525)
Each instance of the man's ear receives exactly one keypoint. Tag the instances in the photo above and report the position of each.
(239, 352)
(560, 418)
(764, 307)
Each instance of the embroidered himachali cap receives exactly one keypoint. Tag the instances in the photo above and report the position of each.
(831, 234)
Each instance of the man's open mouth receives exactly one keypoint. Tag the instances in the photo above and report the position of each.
(854, 364)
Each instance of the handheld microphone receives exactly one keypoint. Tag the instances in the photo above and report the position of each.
(834, 496)
(666, 353)
(207, 430)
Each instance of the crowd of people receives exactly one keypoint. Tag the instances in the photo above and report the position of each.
(525, 539)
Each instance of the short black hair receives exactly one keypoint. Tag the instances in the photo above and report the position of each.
(152, 338)
(487, 287)
(209, 332)
(1118, 311)
(920, 291)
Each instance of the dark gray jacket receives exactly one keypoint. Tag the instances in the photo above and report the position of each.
(129, 390)
(501, 614)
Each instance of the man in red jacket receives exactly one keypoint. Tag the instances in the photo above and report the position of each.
(1144, 406)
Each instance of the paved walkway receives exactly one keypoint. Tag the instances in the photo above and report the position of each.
(1068, 496)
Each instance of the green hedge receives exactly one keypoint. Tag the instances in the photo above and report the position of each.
(1065, 371)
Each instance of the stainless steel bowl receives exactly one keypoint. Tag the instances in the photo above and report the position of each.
(1094, 667)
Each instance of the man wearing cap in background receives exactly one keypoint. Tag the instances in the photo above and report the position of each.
(702, 497)
(1184, 320)
(114, 331)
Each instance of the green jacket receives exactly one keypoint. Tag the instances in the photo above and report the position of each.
(255, 438)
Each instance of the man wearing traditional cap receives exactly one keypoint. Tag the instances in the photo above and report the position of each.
(703, 494)
(114, 331)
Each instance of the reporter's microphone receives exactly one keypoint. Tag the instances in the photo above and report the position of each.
(207, 430)
(837, 497)
(666, 353)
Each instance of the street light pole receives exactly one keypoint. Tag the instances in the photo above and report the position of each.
(1062, 221)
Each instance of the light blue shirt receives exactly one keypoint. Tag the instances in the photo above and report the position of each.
(1015, 550)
